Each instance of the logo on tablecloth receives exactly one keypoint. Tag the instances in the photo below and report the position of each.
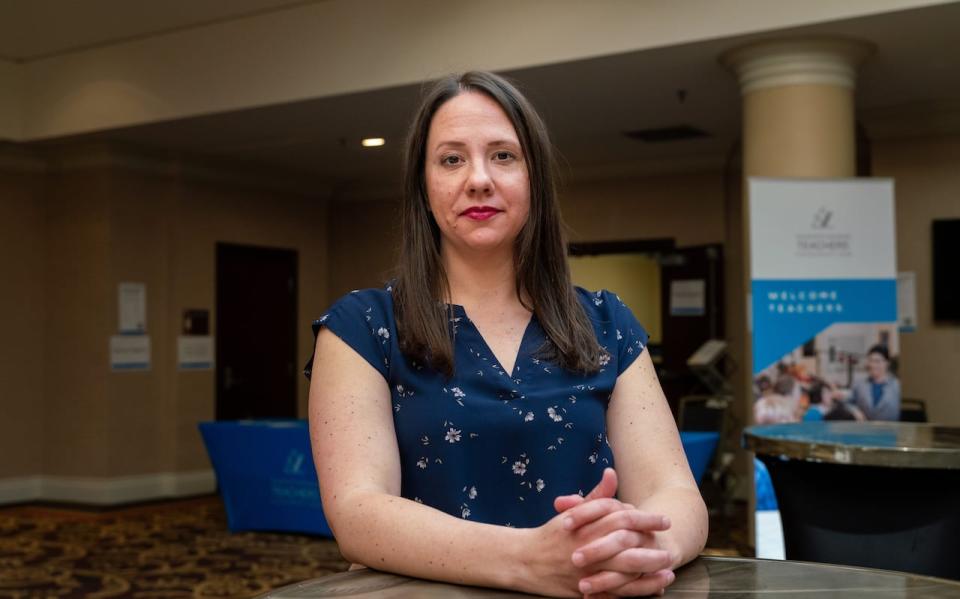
(294, 464)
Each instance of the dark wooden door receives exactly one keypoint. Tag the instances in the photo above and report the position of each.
(685, 329)
(256, 335)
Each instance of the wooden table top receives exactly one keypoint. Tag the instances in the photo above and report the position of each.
(705, 577)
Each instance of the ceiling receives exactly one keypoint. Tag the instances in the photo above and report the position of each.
(587, 104)
(35, 29)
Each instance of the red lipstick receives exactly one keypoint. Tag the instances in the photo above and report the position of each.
(480, 212)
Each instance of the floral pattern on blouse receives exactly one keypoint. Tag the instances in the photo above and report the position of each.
(487, 445)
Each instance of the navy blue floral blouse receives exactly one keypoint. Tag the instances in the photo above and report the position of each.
(488, 445)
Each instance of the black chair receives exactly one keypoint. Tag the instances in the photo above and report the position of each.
(702, 413)
(913, 410)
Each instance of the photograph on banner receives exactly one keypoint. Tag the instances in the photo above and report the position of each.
(847, 372)
(824, 300)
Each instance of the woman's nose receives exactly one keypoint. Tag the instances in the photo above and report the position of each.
(480, 181)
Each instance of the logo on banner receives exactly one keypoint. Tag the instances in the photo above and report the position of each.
(821, 243)
(821, 220)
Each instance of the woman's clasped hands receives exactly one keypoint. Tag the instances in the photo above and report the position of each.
(599, 547)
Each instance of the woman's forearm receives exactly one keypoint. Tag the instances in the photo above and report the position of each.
(391, 533)
(687, 534)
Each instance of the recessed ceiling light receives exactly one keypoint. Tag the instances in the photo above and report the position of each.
(372, 142)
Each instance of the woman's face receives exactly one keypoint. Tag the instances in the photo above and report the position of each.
(876, 366)
(476, 175)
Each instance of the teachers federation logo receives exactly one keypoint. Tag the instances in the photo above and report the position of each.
(822, 242)
(822, 219)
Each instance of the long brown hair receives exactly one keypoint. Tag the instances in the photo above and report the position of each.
(543, 275)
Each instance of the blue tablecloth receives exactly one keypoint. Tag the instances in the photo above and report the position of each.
(266, 476)
(267, 479)
(766, 497)
(699, 447)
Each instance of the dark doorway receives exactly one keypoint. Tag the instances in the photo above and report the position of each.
(256, 335)
(688, 323)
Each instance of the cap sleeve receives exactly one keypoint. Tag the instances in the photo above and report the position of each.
(364, 321)
(631, 336)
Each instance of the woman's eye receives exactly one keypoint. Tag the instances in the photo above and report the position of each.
(503, 156)
(451, 160)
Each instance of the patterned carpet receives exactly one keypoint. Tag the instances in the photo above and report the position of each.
(173, 549)
(181, 549)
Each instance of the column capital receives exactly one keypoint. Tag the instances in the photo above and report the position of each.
(796, 61)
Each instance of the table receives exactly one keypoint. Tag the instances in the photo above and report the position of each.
(705, 577)
(265, 475)
(876, 494)
(699, 447)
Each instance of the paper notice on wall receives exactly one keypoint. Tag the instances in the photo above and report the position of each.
(129, 353)
(132, 307)
(195, 352)
(907, 301)
(688, 298)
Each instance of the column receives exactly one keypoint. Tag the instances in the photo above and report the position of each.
(798, 121)
(798, 108)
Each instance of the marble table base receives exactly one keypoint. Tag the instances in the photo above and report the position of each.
(904, 519)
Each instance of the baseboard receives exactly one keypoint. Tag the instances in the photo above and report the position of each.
(184, 484)
(20, 489)
(107, 491)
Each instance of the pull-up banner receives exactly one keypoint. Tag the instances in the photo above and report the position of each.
(824, 297)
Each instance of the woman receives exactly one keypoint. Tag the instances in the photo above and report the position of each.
(454, 413)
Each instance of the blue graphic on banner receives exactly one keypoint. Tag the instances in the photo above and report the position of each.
(788, 313)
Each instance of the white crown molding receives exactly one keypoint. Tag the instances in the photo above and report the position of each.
(778, 63)
(107, 491)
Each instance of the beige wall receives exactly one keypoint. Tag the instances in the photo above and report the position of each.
(67, 240)
(11, 100)
(687, 207)
(138, 403)
(77, 307)
(364, 244)
(927, 186)
(22, 367)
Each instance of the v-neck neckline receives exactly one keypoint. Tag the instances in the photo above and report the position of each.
(462, 312)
